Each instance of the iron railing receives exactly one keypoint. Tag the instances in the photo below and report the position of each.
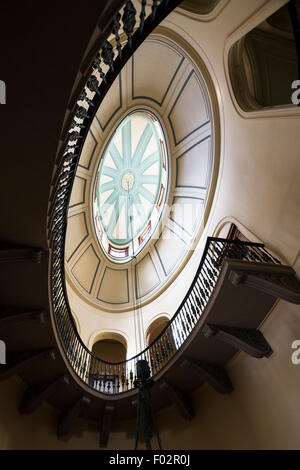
(114, 378)
(96, 373)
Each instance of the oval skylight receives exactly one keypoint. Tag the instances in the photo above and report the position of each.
(130, 186)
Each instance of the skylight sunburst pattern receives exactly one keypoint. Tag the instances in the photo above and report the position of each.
(131, 186)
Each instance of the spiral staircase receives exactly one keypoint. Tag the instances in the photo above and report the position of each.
(35, 321)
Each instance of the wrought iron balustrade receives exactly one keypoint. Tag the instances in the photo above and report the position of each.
(114, 378)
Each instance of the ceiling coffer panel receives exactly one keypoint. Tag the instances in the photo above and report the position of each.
(189, 112)
(111, 104)
(186, 213)
(170, 248)
(88, 151)
(146, 276)
(85, 268)
(77, 232)
(148, 58)
(114, 286)
(193, 166)
(78, 192)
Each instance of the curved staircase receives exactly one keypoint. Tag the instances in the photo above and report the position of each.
(34, 348)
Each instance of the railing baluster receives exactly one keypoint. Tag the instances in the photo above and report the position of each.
(116, 25)
(128, 19)
(154, 8)
(97, 66)
(108, 55)
(142, 15)
(93, 84)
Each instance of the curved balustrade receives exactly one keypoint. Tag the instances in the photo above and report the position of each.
(102, 376)
(114, 378)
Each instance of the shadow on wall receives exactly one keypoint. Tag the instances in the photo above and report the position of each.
(110, 350)
(155, 328)
(201, 7)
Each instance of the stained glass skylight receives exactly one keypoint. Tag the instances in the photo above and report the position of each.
(130, 186)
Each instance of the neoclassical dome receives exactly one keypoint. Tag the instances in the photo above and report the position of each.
(143, 186)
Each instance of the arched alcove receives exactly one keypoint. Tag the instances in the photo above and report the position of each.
(155, 328)
(111, 347)
(109, 350)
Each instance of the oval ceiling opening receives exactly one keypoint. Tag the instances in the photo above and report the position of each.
(130, 186)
